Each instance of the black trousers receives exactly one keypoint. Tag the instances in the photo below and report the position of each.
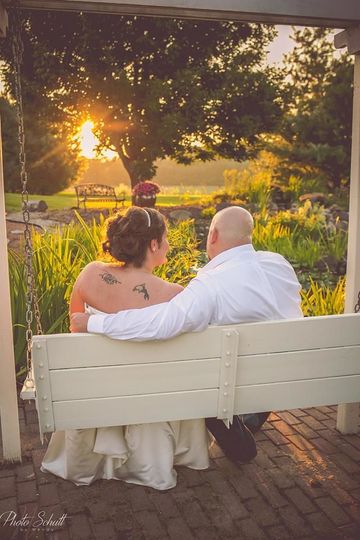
(255, 421)
(237, 442)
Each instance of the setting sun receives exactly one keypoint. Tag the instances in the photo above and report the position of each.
(88, 143)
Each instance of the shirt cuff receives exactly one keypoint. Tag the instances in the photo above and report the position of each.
(95, 324)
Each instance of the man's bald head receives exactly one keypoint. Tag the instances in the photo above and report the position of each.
(229, 228)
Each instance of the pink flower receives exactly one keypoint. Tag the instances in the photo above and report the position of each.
(149, 189)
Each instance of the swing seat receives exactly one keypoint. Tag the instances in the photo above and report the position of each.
(87, 380)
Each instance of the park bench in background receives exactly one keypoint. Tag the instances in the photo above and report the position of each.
(85, 380)
(97, 192)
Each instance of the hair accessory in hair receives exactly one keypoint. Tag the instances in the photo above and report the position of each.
(148, 216)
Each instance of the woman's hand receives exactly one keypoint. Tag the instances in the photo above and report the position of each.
(78, 322)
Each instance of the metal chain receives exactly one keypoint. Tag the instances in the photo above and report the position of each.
(357, 305)
(31, 293)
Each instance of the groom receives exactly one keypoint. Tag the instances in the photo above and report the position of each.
(238, 285)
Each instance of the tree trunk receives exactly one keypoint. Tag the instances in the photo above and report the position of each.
(128, 166)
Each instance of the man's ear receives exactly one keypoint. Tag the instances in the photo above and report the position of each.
(214, 235)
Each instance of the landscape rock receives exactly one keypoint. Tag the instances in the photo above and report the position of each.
(37, 206)
(320, 198)
(180, 215)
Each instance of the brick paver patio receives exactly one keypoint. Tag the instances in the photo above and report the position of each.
(304, 483)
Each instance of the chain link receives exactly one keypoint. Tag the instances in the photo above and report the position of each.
(31, 293)
(357, 305)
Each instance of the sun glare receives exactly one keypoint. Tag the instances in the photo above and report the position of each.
(88, 143)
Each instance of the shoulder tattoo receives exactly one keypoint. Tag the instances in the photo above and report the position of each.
(141, 289)
(109, 279)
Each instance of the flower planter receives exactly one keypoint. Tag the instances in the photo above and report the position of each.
(145, 201)
(144, 194)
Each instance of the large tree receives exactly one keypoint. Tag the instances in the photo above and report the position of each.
(317, 127)
(52, 158)
(154, 87)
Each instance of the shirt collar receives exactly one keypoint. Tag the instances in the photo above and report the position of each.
(229, 254)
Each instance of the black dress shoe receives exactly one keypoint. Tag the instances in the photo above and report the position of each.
(237, 442)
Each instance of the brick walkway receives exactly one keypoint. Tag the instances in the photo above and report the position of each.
(304, 483)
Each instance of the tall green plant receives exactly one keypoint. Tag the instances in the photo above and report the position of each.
(183, 255)
(271, 236)
(335, 244)
(319, 300)
(252, 182)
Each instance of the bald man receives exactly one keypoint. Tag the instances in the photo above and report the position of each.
(238, 285)
(231, 227)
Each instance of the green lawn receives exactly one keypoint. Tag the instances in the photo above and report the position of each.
(66, 199)
(54, 202)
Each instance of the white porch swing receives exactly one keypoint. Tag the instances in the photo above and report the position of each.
(83, 381)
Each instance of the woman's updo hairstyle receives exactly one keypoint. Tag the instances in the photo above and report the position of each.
(128, 237)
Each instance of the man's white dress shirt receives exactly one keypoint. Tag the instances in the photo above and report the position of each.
(238, 285)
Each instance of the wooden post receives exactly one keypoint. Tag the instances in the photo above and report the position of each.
(348, 414)
(9, 414)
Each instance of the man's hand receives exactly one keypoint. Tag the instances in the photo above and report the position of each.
(78, 322)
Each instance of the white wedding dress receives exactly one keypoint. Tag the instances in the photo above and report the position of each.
(143, 454)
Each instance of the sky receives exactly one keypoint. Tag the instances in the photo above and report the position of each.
(281, 45)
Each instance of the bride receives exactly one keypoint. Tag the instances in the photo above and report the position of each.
(142, 454)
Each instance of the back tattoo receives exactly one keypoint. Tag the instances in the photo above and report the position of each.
(109, 279)
(141, 289)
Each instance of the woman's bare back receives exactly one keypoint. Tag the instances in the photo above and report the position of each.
(111, 288)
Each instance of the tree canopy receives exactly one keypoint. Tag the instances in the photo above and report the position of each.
(155, 88)
(53, 161)
(317, 125)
